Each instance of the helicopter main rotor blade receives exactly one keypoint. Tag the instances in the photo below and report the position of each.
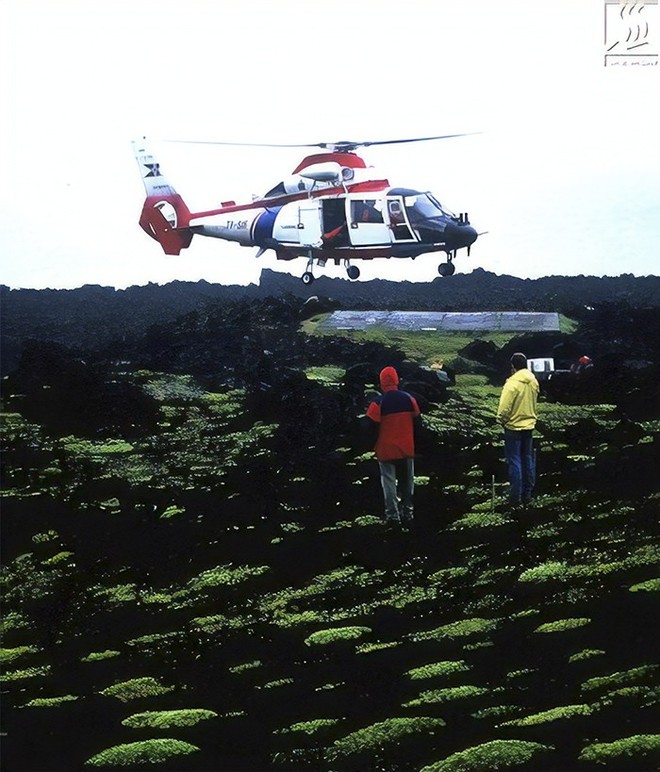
(236, 144)
(414, 139)
(342, 145)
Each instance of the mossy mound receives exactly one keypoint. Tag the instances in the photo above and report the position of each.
(464, 628)
(144, 752)
(634, 749)
(50, 702)
(497, 754)
(9, 655)
(377, 736)
(446, 695)
(25, 673)
(560, 625)
(167, 719)
(435, 669)
(651, 585)
(136, 688)
(335, 634)
(554, 714)
(98, 656)
(310, 727)
(620, 678)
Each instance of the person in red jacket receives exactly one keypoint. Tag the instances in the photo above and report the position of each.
(395, 412)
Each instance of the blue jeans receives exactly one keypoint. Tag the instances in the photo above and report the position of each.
(521, 458)
(404, 470)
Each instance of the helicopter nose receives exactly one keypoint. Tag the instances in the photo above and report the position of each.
(459, 235)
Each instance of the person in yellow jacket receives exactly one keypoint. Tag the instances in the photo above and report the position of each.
(517, 414)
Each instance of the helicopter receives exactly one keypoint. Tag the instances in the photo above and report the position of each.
(331, 207)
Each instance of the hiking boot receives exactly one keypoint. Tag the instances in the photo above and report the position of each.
(392, 523)
(407, 519)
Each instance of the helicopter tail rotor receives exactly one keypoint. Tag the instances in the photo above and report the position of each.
(165, 216)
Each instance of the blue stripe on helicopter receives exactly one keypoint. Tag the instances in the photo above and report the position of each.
(263, 227)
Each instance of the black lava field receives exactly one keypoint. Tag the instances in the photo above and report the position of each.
(196, 575)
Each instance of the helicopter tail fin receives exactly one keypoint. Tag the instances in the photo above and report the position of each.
(165, 216)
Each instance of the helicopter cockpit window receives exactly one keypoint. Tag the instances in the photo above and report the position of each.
(366, 210)
(422, 207)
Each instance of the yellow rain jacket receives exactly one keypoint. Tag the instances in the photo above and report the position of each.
(517, 408)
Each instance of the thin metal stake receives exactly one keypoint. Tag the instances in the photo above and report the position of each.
(492, 495)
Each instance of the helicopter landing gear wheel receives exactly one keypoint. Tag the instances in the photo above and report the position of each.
(353, 272)
(446, 269)
(307, 278)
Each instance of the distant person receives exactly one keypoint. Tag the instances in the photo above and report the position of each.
(517, 414)
(396, 215)
(582, 366)
(438, 368)
(395, 412)
(368, 213)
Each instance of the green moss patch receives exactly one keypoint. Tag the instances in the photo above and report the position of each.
(435, 669)
(380, 735)
(497, 754)
(325, 373)
(218, 622)
(167, 719)
(479, 520)
(136, 688)
(50, 702)
(455, 630)
(276, 683)
(335, 634)
(369, 648)
(560, 625)
(580, 656)
(561, 572)
(554, 714)
(9, 655)
(620, 678)
(245, 666)
(651, 585)
(310, 727)
(637, 747)
(145, 752)
(12, 621)
(97, 656)
(28, 672)
(447, 695)
(225, 576)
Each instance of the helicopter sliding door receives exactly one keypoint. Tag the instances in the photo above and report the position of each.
(335, 228)
(309, 224)
(367, 225)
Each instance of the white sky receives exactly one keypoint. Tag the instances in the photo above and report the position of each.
(565, 177)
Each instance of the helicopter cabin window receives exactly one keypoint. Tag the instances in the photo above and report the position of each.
(365, 211)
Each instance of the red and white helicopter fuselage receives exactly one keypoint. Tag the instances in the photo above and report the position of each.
(332, 207)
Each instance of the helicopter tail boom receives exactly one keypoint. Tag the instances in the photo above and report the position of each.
(165, 216)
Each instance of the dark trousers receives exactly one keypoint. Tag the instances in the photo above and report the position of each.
(521, 460)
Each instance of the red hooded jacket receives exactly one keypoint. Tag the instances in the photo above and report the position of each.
(395, 411)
